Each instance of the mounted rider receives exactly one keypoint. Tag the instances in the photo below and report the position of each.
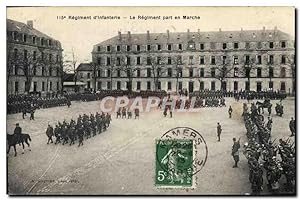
(18, 132)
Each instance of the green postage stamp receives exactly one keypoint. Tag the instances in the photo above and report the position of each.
(174, 163)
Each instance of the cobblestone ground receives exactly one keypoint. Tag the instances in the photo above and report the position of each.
(122, 159)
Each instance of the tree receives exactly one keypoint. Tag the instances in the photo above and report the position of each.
(70, 66)
(128, 69)
(247, 68)
(177, 66)
(157, 68)
(292, 65)
(223, 71)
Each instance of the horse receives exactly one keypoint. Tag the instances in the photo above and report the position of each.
(14, 139)
(262, 105)
(279, 109)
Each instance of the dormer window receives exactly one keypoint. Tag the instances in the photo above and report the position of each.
(24, 38)
(15, 34)
(169, 47)
(42, 41)
(50, 42)
(271, 45)
(33, 39)
(108, 48)
(98, 48)
(179, 46)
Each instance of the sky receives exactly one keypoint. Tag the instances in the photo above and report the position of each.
(81, 35)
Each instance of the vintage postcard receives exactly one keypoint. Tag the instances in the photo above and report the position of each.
(151, 100)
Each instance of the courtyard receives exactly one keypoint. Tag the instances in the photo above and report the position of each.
(122, 159)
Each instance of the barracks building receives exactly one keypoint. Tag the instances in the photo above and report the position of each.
(256, 60)
(33, 60)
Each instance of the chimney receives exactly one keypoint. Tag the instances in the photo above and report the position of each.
(148, 35)
(168, 34)
(220, 29)
(241, 29)
(188, 33)
(30, 24)
(120, 36)
(198, 30)
(129, 35)
(264, 29)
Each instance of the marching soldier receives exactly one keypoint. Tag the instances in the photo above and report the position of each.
(49, 133)
(235, 151)
(219, 131)
(31, 114)
(269, 124)
(292, 126)
(18, 132)
(230, 111)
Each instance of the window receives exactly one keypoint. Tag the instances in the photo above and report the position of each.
(34, 55)
(15, 35)
(282, 72)
(213, 60)
(236, 72)
(42, 41)
(169, 72)
(43, 86)
(258, 74)
(88, 75)
(224, 59)
(282, 86)
(24, 38)
(213, 72)
(179, 46)
(201, 60)
(50, 57)
(247, 45)
(190, 60)
(258, 59)
(169, 47)
(158, 47)
(50, 86)
(57, 58)
(201, 72)
(148, 60)
(271, 72)
(138, 47)
(128, 62)
(138, 85)
(258, 86)
(50, 42)
(34, 86)
(169, 61)
(108, 61)
(283, 59)
(138, 72)
(159, 85)
(224, 46)
(16, 87)
(259, 45)
(118, 61)
(138, 60)
(158, 71)
(235, 86)
(98, 48)
(179, 72)
(108, 85)
(271, 45)
(201, 46)
(283, 44)
(99, 85)
(201, 85)
(247, 59)
(213, 85)
(271, 59)
(179, 85)
(108, 48)
(235, 60)
(118, 73)
(148, 47)
(99, 60)
(118, 48)
(98, 73)
(148, 85)
(108, 73)
(148, 72)
(128, 47)
(236, 45)
(25, 54)
(34, 70)
(271, 85)
(50, 71)
(191, 72)
(158, 59)
(247, 85)
(169, 85)
(42, 56)
(118, 85)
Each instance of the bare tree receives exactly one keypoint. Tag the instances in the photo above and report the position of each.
(157, 68)
(247, 68)
(126, 67)
(224, 71)
(292, 65)
(177, 66)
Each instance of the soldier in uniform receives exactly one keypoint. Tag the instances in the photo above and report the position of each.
(230, 111)
(292, 127)
(32, 114)
(269, 124)
(80, 135)
(18, 132)
(219, 131)
(235, 151)
(49, 133)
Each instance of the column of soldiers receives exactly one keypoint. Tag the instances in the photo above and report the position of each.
(266, 157)
(86, 126)
(251, 95)
(126, 113)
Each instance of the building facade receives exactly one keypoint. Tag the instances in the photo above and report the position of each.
(34, 60)
(255, 60)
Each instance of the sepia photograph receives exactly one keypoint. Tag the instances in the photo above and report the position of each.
(150, 100)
